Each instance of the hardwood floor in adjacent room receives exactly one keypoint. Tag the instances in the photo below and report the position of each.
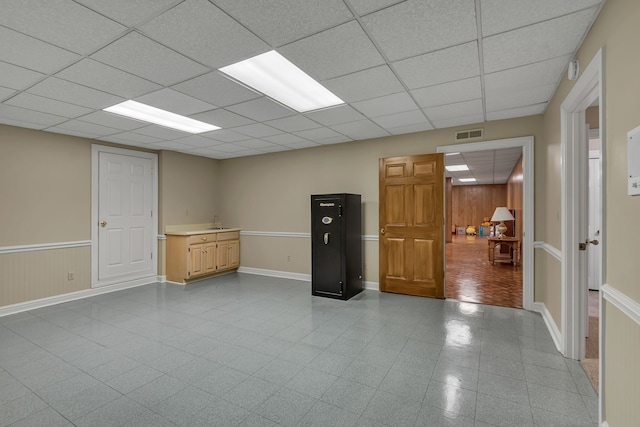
(470, 277)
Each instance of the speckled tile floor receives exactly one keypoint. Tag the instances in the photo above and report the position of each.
(257, 351)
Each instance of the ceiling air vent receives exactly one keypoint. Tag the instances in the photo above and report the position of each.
(469, 134)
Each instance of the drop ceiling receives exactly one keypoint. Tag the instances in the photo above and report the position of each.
(400, 66)
(487, 166)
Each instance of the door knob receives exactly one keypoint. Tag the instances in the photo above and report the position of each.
(103, 223)
(382, 231)
(594, 242)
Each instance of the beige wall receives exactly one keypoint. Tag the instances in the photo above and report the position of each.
(45, 198)
(615, 30)
(188, 189)
(272, 192)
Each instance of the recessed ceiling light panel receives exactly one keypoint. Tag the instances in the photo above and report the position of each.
(147, 113)
(467, 180)
(273, 75)
(457, 168)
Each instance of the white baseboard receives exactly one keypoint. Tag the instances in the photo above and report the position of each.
(373, 286)
(72, 296)
(554, 331)
(275, 273)
(162, 279)
(605, 424)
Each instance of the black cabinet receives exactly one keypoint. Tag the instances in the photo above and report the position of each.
(336, 245)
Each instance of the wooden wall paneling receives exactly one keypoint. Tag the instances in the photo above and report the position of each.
(471, 203)
(449, 209)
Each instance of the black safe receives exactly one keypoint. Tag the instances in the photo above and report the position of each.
(336, 245)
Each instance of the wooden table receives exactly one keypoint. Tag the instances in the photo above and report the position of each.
(512, 242)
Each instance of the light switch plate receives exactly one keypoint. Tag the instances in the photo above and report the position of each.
(633, 162)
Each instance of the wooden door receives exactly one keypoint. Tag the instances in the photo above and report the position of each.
(411, 219)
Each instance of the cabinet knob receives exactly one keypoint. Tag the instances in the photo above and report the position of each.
(203, 238)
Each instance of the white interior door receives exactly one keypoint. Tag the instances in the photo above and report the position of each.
(594, 252)
(125, 221)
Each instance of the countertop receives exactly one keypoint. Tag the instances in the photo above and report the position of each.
(191, 229)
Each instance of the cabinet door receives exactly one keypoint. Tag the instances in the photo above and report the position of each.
(222, 255)
(234, 253)
(209, 255)
(196, 266)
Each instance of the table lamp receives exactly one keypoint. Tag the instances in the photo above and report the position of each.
(501, 214)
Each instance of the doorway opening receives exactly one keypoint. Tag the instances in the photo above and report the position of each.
(476, 278)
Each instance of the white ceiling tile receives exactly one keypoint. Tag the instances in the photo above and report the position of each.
(336, 115)
(362, 7)
(419, 127)
(401, 119)
(136, 138)
(519, 98)
(447, 93)
(385, 105)
(317, 134)
(531, 110)
(161, 132)
(222, 118)
(255, 143)
(504, 15)
(205, 34)
(302, 144)
(273, 149)
(285, 139)
(113, 120)
(443, 66)
(169, 145)
(47, 105)
(72, 93)
(27, 52)
(63, 23)
(257, 130)
(465, 108)
(197, 141)
(66, 131)
(145, 58)
(18, 114)
(230, 148)
(99, 76)
(175, 102)
(458, 121)
(549, 39)
(363, 129)
(6, 92)
(293, 123)
(284, 21)
(365, 84)
(14, 77)
(87, 128)
(532, 75)
(118, 140)
(216, 89)
(335, 52)
(128, 12)
(224, 135)
(334, 140)
(415, 27)
(18, 123)
(261, 109)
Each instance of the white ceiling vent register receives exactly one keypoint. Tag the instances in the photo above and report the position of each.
(469, 134)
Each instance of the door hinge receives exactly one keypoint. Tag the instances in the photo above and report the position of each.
(151, 214)
(151, 255)
(188, 249)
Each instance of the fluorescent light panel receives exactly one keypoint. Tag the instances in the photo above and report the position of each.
(457, 168)
(451, 154)
(273, 75)
(467, 180)
(147, 113)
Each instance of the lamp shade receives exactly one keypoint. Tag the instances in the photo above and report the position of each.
(502, 214)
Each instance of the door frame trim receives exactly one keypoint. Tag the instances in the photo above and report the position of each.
(96, 149)
(526, 143)
(587, 89)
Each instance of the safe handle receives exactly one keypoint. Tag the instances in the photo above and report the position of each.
(326, 238)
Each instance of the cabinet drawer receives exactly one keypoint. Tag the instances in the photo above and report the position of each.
(229, 235)
(202, 238)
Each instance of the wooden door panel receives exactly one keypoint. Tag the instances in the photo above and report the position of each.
(411, 219)
(424, 197)
(396, 258)
(395, 205)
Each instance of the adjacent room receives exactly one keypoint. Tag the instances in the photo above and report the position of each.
(159, 242)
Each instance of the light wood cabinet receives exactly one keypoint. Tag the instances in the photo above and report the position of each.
(195, 256)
